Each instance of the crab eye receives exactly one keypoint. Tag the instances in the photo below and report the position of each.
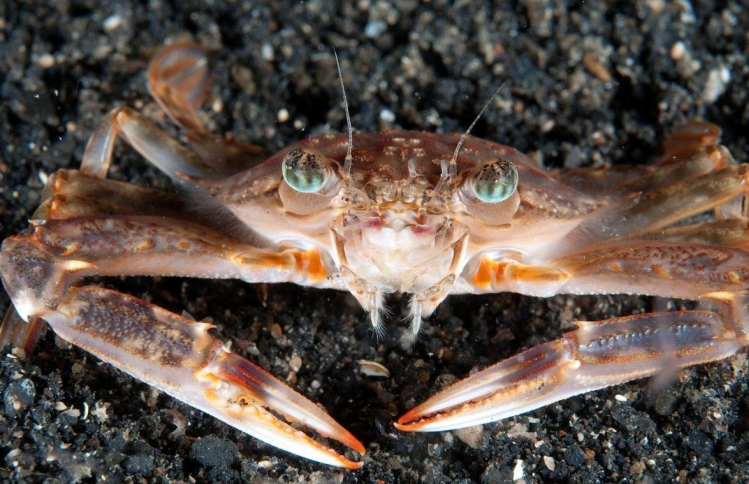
(304, 171)
(495, 181)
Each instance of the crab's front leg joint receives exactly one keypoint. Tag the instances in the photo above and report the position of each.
(150, 141)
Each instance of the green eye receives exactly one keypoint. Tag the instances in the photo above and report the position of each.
(304, 171)
(495, 181)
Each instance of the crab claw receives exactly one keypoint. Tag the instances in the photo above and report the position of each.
(179, 357)
(597, 355)
(247, 397)
(519, 384)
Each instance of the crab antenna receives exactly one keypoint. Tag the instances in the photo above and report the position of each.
(453, 168)
(347, 162)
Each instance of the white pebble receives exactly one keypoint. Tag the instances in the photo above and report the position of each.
(372, 368)
(45, 60)
(266, 52)
(717, 81)
(375, 28)
(387, 116)
(112, 22)
(518, 472)
(678, 50)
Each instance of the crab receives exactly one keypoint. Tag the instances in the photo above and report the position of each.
(416, 213)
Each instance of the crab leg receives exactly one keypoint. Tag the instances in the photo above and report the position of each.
(690, 151)
(152, 143)
(177, 79)
(69, 249)
(597, 355)
(653, 267)
(179, 357)
(670, 262)
(658, 268)
(733, 232)
(662, 207)
(70, 193)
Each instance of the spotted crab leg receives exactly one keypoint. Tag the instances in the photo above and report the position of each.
(597, 355)
(170, 352)
(606, 353)
(668, 268)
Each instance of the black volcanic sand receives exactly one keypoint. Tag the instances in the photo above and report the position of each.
(596, 84)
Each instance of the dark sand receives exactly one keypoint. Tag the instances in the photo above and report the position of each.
(596, 84)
